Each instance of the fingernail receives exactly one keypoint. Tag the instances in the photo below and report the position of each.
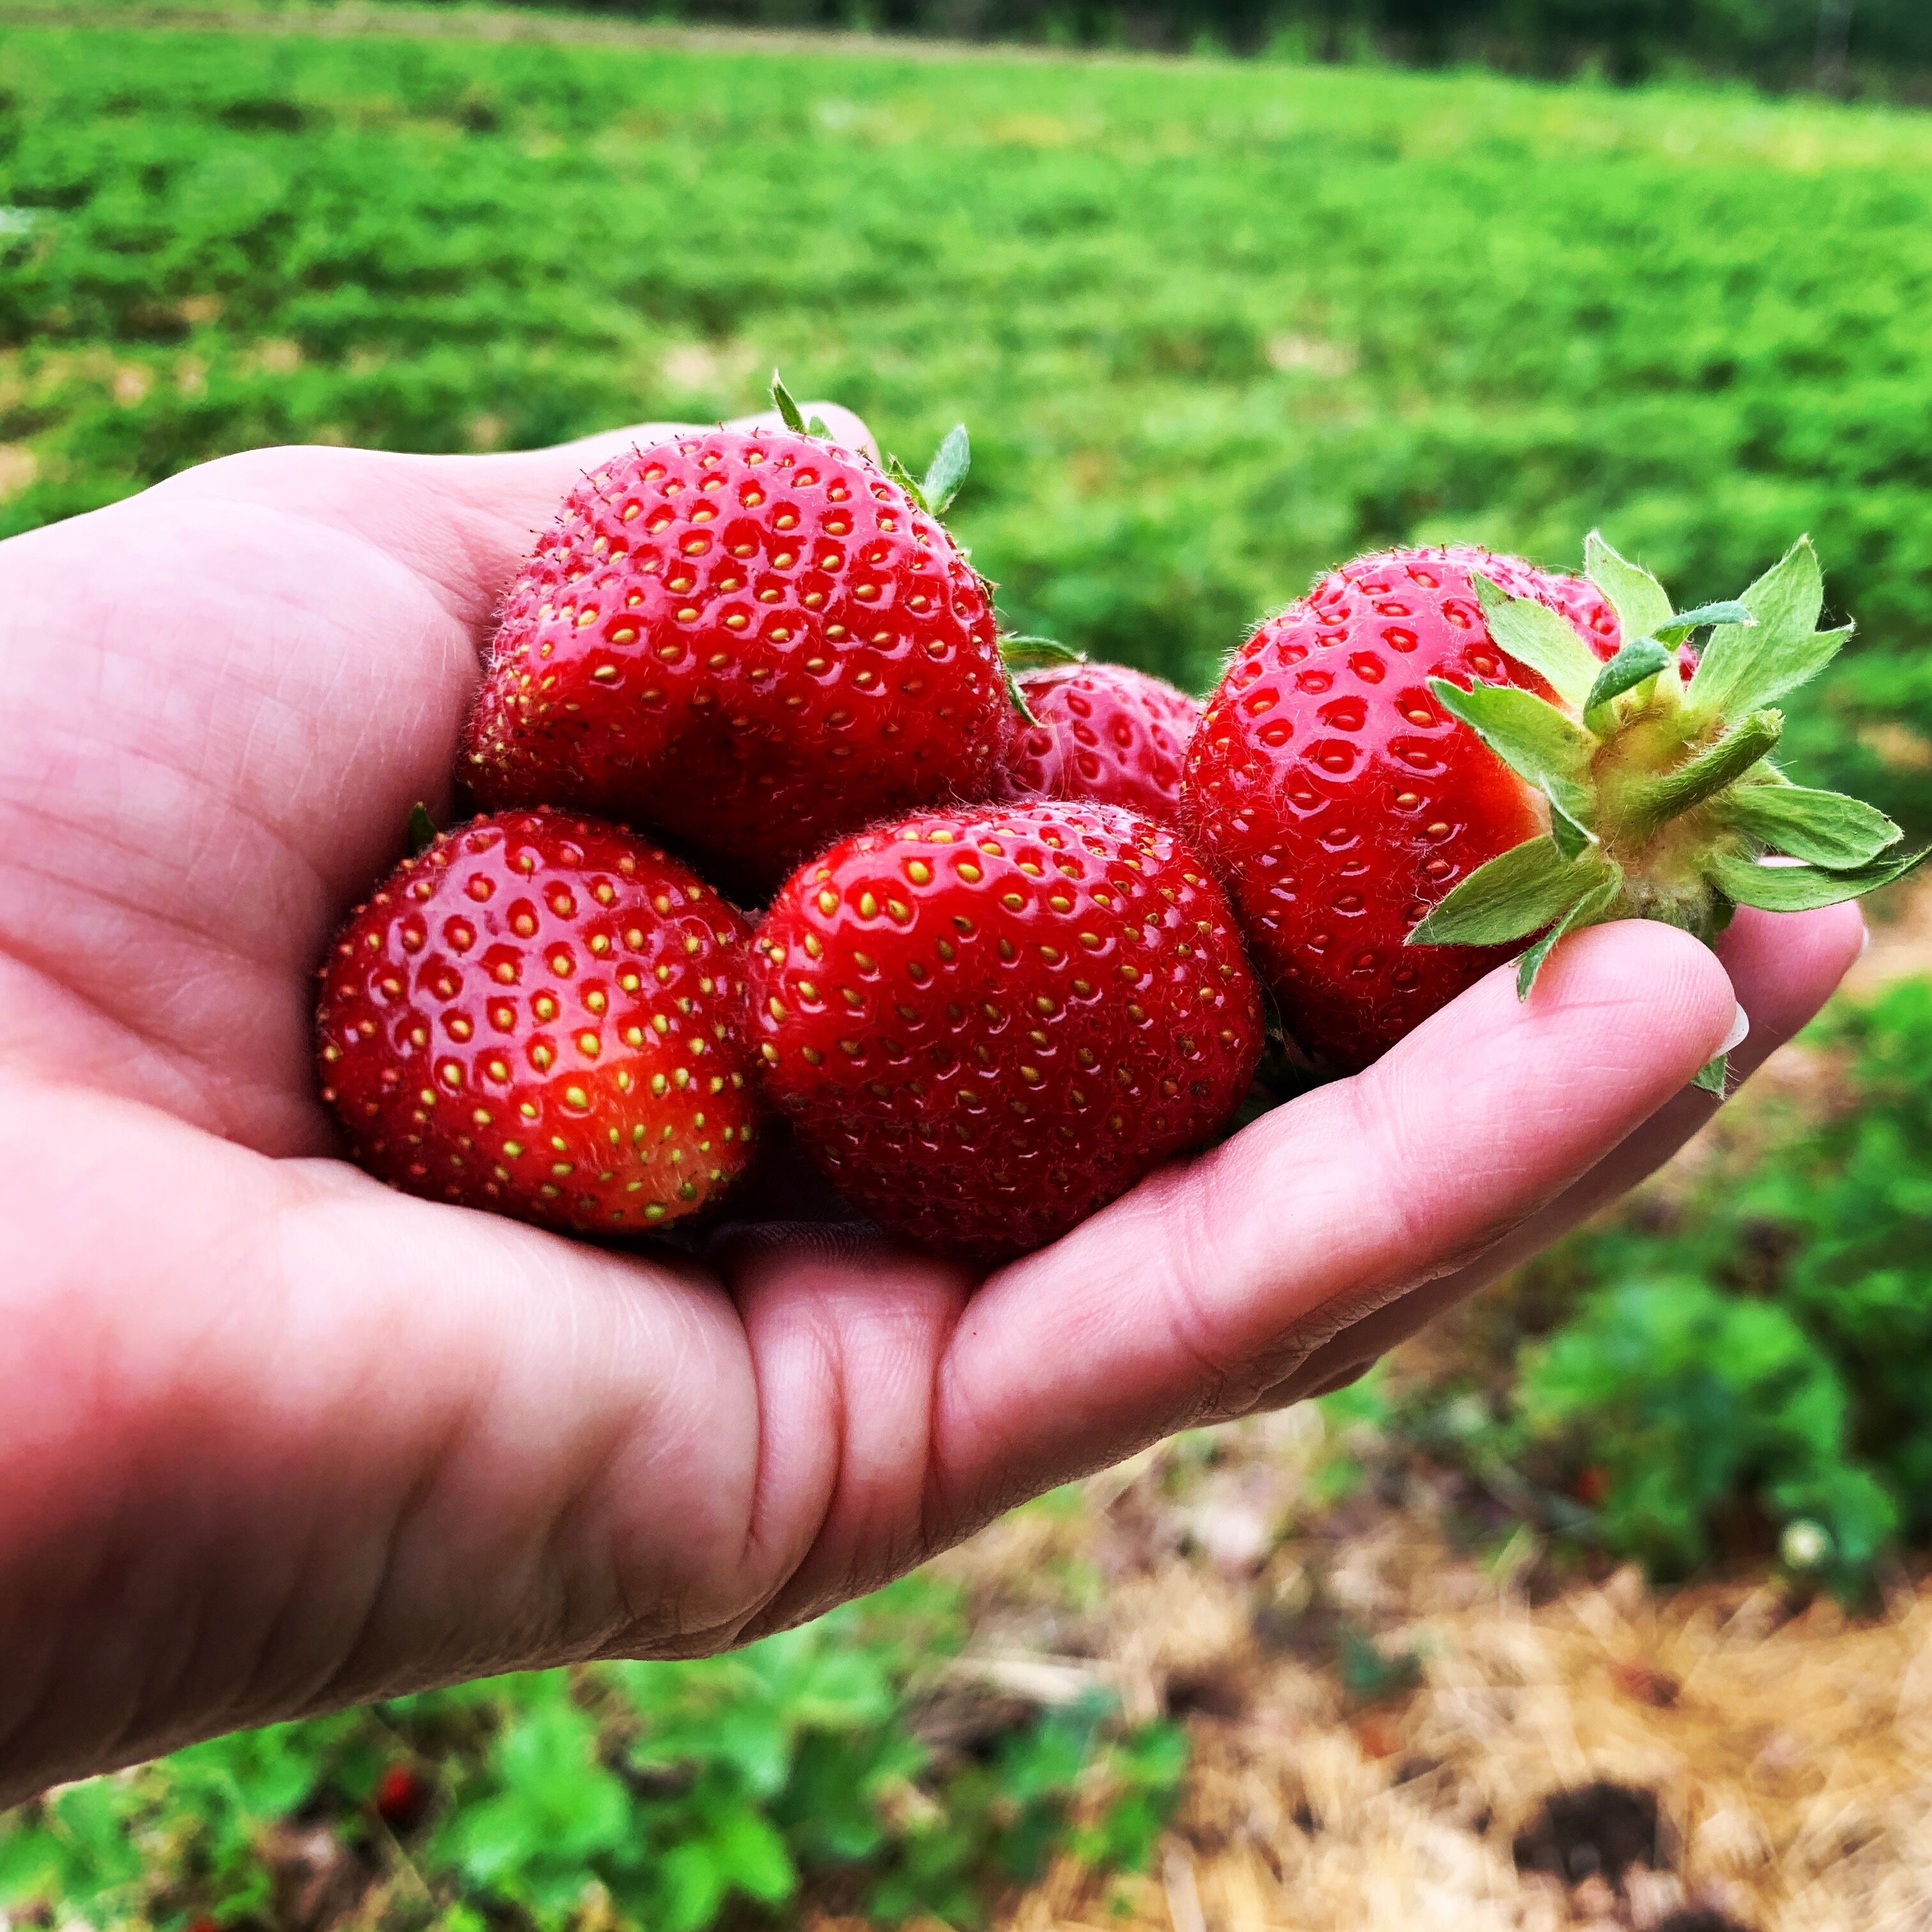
(1864, 939)
(1740, 1030)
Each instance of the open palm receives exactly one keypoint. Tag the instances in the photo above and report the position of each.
(274, 1439)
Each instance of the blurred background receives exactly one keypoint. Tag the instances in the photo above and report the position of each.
(1604, 1604)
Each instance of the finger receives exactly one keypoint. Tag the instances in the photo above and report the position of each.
(1783, 967)
(1198, 1292)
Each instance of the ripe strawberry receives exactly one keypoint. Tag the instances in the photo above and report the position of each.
(754, 643)
(984, 1025)
(1106, 732)
(1437, 754)
(542, 1015)
(402, 1797)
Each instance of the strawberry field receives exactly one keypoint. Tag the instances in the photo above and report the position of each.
(1214, 326)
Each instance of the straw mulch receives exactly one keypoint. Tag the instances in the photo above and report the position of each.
(1771, 1760)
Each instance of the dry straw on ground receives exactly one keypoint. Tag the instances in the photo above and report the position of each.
(1788, 1747)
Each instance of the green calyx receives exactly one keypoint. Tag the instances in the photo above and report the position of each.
(1663, 801)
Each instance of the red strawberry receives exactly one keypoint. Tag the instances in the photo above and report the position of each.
(402, 1797)
(1106, 732)
(542, 1015)
(1352, 771)
(985, 1025)
(754, 643)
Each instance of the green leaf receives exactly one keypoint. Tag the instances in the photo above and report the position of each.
(948, 471)
(1586, 911)
(1641, 603)
(787, 409)
(1514, 894)
(1530, 735)
(1537, 637)
(1573, 840)
(1824, 827)
(1786, 599)
(1802, 888)
(1642, 658)
(1030, 653)
(752, 1856)
(1712, 1075)
(903, 478)
(422, 829)
(1742, 669)
(817, 426)
(1680, 626)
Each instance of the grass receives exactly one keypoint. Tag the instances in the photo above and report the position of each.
(1214, 326)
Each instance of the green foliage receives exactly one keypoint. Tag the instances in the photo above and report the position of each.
(1687, 1399)
(672, 1791)
(1213, 327)
(1760, 1358)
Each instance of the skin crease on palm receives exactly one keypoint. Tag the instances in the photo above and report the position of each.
(274, 1439)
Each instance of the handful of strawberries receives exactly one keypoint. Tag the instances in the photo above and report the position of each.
(1024, 916)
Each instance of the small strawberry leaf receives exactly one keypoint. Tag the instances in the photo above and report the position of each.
(948, 471)
(1824, 828)
(1018, 696)
(1641, 603)
(1802, 888)
(782, 401)
(903, 478)
(1712, 1075)
(1787, 599)
(1537, 637)
(1638, 661)
(1680, 626)
(1531, 737)
(1586, 911)
(1573, 840)
(817, 426)
(1023, 652)
(422, 829)
(1742, 669)
(1514, 894)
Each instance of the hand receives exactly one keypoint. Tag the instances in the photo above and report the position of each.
(273, 1438)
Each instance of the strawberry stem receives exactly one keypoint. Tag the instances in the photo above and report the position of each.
(1646, 805)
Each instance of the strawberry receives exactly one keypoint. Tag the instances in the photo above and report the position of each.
(1437, 755)
(541, 1015)
(751, 642)
(984, 1025)
(1103, 732)
(402, 1797)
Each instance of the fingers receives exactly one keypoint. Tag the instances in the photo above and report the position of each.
(1197, 1293)
(1783, 967)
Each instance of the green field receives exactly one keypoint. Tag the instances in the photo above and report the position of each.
(1214, 325)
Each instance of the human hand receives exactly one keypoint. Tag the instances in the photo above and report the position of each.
(275, 1438)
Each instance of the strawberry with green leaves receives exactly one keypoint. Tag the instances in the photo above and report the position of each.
(541, 1015)
(1406, 780)
(751, 642)
(985, 1025)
